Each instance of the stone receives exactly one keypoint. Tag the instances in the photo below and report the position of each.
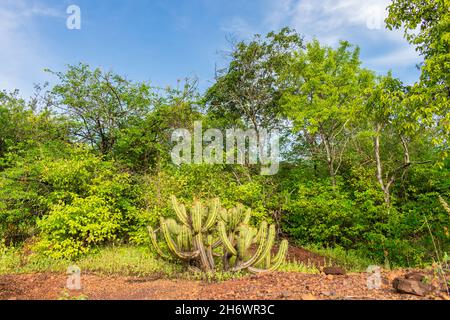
(308, 296)
(444, 297)
(285, 295)
(336, 271)
(412, 286)
(415, 276)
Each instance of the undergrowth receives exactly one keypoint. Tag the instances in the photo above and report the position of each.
(122, 260)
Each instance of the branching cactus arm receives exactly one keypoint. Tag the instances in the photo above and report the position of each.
(172, 246)
(225, 240)
(268, 247)
(198, 243)
(196, 216)
(154, 242)
(244, 240)
(247, 216)
(259, 251)
(277, 260)
(180, 211)
(212, 215)
(209, 251)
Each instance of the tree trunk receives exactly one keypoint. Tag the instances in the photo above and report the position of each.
(385, 188)
(330, 160)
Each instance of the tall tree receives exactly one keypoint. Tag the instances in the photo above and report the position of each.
(145, 143)
(100, 103)
(427, 26)
(24, 124)
(323, 97)
(384, 114)
(248, 89)
(393, 126)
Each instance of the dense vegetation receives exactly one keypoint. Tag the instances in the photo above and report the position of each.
(87, 163)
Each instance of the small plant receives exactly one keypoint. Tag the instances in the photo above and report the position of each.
(440, 264)
(444, 204)
(209, 231)
(65, 295)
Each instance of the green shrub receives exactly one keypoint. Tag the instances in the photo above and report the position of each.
(80, 200)
(321, 214)
(70, 230)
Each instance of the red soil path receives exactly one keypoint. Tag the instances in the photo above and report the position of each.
(274, 286)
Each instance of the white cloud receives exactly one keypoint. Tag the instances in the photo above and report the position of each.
(401, 57)
(360, 22)
(239, 27)
(22, 52)
(320, 18)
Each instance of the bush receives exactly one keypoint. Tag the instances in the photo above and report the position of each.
(321, 214)
(70, 230)
(59, 188)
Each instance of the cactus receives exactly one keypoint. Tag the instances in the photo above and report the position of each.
(208, 231)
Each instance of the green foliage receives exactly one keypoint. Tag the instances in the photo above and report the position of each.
(24, 195)
(247, 90)
(70, 230)
(23, 127)
(144, 143)
(324, 215)
(9, 258)
(427, 26)
(323, 99)
(351, 260)
(87, 163)
(125, 260)
(99, 103)
(79, 200)
(355, 217)
(325, 85)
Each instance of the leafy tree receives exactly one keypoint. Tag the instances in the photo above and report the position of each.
(55, 175)
(323, 98)
(248, 89)
(23, 125)
(383, 109)
(394, 128)
(100, 103)
(144, 144)
(427, 27)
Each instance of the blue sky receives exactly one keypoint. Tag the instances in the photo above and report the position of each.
(165, 40)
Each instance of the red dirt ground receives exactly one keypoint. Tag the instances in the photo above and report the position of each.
(273, 286)
(304, 256)
(297, 254)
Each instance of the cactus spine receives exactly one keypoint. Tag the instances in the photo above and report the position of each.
(208, 230)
